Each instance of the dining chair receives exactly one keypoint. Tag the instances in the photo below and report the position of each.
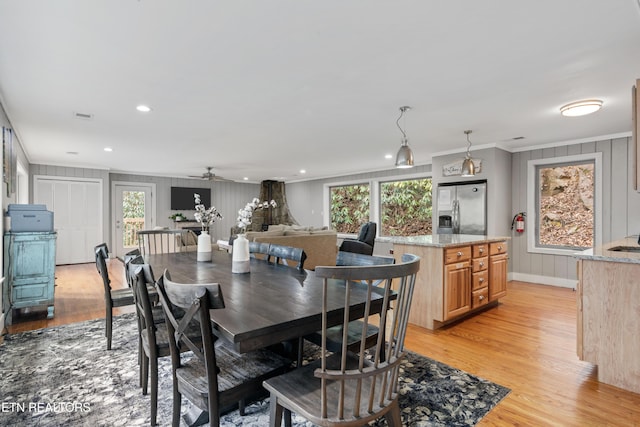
(112, 297)
(282, 253)
(259, 248)
(134, 253)
(336, 333)
(216, 377)
(153, 333)
(163, 241)
(346, 388)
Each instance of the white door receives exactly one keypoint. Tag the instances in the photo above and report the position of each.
(133, 211)
(77, 208)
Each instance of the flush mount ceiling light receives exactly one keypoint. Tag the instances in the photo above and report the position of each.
(468, 168)
(404, 158)
(143, 108)
(581, 108)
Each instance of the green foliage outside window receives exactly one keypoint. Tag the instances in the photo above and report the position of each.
(133, 204)
(349, 207)
(406, 207)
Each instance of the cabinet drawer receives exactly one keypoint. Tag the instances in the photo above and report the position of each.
(480, 250)
(462, 253)
(479, 264)
(498, 248)
(479, 297)
(35, 293)
(479, 280)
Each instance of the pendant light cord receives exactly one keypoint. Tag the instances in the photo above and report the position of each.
(404, 135)
(467, 132)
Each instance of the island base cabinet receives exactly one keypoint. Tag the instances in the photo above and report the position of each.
(608, 321)
(457, 289)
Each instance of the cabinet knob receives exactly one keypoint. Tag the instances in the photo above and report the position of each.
(481, 297)
(481, 280)
(481, 250)
(481, 264)
(499, 248)
(459, 254)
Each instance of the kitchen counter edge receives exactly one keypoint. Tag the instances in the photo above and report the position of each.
(442, 240)
(602, 253)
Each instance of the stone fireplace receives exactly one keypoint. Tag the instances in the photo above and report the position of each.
(262, 218)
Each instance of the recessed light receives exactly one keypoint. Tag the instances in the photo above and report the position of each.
(108, 149)
(581, 108)
(303, 171)
(143, 108)
(246, 178)
(388, 156)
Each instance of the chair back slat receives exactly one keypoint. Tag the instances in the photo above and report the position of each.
(163, 241)
(282, 254)
(366, 383)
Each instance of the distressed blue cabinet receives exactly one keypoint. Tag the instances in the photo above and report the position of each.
(29, 270)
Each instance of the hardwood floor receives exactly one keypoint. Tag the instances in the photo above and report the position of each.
(527, 343)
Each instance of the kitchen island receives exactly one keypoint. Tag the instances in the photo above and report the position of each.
(608, 304)
(459, 275)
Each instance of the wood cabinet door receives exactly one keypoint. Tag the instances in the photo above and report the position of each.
(457, 289)
(497, 277)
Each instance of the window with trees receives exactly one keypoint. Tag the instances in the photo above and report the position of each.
(349, 207)
(566, 216)
(405, 207)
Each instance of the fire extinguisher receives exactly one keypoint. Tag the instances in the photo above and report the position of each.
(518, 222)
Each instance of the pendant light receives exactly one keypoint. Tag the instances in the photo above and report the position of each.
(404, 158)
(468, 168)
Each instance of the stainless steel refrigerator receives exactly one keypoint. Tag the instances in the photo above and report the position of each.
(462, 207)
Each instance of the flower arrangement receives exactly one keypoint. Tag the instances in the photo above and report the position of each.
(205, 216)
(245, 214)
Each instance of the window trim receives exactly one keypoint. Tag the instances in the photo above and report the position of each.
(374, 196)
(532, 205)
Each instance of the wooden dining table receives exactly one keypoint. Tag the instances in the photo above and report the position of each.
(273, 303)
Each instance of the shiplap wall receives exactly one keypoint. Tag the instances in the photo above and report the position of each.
(620, 208)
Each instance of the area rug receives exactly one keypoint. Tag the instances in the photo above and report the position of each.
(65, 376)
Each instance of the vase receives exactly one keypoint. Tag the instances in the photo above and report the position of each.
(240, 257)
(204, 246)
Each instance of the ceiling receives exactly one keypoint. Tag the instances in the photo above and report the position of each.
(262, 89)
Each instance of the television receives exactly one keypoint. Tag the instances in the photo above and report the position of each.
(182, 198)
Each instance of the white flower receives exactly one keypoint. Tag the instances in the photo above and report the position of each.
(245, 214)
(205, 216)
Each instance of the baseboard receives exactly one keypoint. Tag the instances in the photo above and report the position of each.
(544, 280)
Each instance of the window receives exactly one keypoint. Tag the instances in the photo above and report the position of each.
(405, 207)
(349, 207)
(565, 193)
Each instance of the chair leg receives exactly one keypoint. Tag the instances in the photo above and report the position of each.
(177, 403)
(108, 326)
(393, 417)
(145, 373)
(241, 406)
(275, 412)
(153, 372)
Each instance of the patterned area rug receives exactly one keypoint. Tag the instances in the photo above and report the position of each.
(65, 376)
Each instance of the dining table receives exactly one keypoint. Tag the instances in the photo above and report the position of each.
(271, 304)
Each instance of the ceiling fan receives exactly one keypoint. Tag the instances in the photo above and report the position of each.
(210, 176)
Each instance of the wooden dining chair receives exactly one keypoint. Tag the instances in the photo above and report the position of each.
(282, 254)
(345, 388)
(126, 259)
(216, 378)
(112, 297)
(162, 241)
(336, 333)
(153, 332)
(259, 248)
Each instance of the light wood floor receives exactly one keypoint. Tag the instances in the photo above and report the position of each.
(527, 343)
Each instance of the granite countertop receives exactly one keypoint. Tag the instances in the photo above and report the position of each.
(441, 240)
(602, 253)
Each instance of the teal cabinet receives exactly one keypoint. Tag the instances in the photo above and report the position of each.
(29, 270)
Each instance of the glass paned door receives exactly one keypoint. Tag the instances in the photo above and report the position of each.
(133, 213)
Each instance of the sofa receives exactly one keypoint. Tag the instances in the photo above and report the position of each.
(319, 244)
